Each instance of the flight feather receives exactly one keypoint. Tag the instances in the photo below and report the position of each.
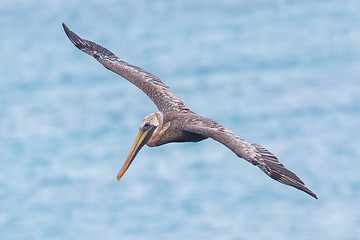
(252, 152)
(165, 99)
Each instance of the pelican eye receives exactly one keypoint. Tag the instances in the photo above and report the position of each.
(148, 127)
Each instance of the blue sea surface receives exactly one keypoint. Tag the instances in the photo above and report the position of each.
(284, 74)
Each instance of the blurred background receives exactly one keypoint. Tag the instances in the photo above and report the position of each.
(284, 74)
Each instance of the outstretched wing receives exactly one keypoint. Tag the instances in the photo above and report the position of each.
(252, 152)
(165, 99)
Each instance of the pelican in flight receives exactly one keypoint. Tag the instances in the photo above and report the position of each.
(177, 123)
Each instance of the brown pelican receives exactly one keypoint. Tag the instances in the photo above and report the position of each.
(177, 123)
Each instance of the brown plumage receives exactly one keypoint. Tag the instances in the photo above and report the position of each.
(177, 123)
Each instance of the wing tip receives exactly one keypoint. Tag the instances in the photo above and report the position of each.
(89, 47)
(308, 191)
(73, 37)
(296, 183)
(303, 188)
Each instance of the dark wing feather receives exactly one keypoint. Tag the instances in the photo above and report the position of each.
(165, 99)
(252, 152)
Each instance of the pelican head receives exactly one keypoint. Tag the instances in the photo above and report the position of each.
(149, 129)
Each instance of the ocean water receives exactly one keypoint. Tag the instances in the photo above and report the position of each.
(284, 74)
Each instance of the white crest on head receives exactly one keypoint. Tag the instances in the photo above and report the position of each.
(152, 119)
(155, 119)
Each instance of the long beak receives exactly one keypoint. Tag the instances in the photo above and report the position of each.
(141, 139)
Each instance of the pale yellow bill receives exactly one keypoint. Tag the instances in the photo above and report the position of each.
(138, 144)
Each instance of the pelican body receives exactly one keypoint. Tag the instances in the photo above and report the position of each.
(177, 123)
